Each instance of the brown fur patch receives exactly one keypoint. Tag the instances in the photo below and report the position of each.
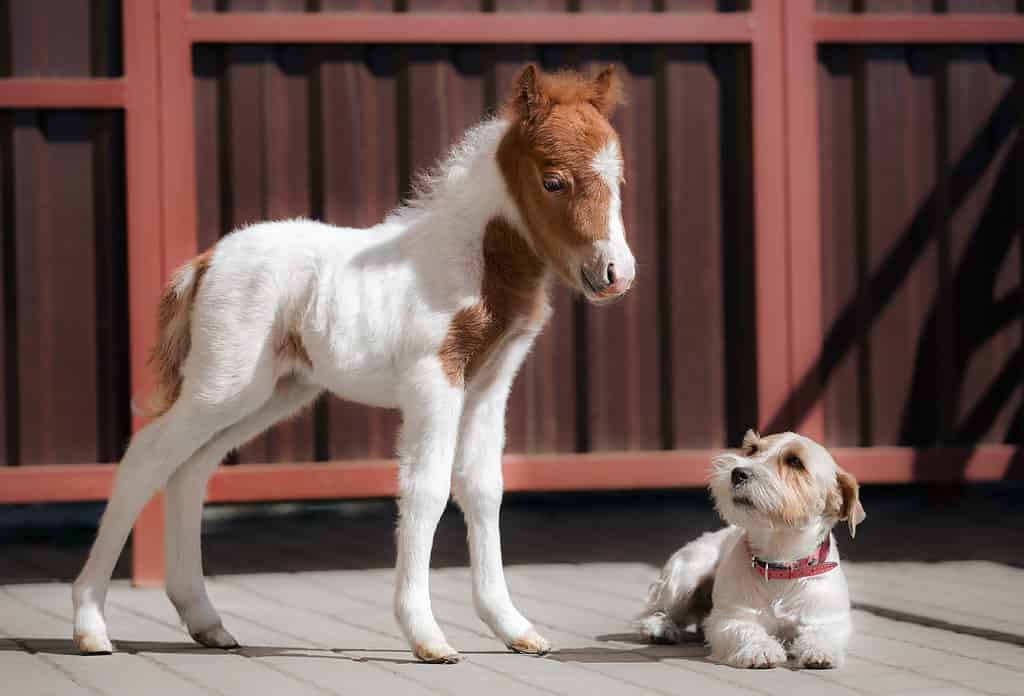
(291, 348)
(512, 297)
(799, 491)
(174, 314)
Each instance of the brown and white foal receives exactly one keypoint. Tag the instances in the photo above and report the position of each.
(431, 311)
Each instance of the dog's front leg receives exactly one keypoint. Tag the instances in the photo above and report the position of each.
(478, 490)
(741, 641)
(822, 645)
(431, 409)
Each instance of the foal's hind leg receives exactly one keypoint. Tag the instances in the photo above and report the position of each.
(153, 454)
(184, 505)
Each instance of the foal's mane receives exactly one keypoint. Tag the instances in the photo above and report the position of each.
(451, 179)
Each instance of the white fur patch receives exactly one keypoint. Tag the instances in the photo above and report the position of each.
(608, 164)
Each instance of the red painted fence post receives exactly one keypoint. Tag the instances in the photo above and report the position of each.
(145, 247)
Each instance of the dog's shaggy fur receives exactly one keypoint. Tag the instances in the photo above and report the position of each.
(781, 496)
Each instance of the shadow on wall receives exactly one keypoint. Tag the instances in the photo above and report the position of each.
(968, 309)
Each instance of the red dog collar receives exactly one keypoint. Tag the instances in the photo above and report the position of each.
(812, 565)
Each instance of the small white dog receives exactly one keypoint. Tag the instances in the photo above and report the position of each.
(770, 583)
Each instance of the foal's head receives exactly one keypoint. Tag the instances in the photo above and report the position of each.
(562, 163)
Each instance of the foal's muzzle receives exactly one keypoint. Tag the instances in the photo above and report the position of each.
(608, 278)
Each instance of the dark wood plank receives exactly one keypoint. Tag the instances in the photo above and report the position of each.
(55, 286)
(840, 116)
(623, 352)
(901, 161)
(360, 164)
(983, 265)
(693, 247)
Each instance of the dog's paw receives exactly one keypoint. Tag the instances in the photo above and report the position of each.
(215, 637)
(763, 654)
(818, 658)
(437, 653)
(93, 644)
(531, 643)
(658, 628)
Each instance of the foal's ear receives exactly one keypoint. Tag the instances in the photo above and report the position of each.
(850, 508)
(527, 95)
(607, 92)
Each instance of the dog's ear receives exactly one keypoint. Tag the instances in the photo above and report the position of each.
(848, 499)
(750, 440)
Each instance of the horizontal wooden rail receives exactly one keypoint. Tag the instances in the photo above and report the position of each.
(556, 472)
(469, 28)
(919, 28)
(62, 93)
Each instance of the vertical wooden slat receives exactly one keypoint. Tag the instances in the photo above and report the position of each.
(984, 270)
(358, 88)
(693, 253)
(8, 357)
(56, 285)
(213, 212)
(901, 129)
(50, 38)
(622, 347)
(838, 109)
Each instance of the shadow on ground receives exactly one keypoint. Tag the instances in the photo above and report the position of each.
(905, 523)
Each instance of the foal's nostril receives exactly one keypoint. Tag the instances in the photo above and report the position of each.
(739, 475)
(610, 274)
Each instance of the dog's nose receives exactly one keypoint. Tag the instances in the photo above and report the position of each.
(739, 475)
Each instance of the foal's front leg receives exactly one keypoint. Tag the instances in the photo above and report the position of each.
(478, 490)
(431, 409)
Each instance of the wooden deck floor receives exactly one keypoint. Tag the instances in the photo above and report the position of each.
(938, 586)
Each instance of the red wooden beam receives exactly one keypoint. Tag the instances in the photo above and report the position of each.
(774, 379)
(62, 93)
(555, 472)
(803, 197)
(468, 27)
(919, 28)
(144, 242)
(178, 134)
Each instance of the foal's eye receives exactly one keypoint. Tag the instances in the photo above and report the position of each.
(793, 461)
(554, 184)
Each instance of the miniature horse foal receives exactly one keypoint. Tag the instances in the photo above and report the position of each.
(431, 311)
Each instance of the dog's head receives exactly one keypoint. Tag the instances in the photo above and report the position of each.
(783, 480)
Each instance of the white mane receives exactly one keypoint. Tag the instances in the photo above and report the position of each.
(456, 180)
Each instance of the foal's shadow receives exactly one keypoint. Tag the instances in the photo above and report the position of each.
(53, 646)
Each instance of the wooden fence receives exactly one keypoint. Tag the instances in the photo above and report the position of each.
(823, 198)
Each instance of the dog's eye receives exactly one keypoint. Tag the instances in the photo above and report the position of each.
(750, 450)
(793, 461)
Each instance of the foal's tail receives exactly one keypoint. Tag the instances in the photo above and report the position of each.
(174, 317)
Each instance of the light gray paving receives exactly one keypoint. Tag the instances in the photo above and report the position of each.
(311, 607)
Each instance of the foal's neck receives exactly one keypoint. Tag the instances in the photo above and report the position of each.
(461, 196)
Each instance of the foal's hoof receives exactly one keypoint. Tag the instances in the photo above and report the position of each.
(215, 637)
(532, 643)
(93, 644)
(437, 653)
